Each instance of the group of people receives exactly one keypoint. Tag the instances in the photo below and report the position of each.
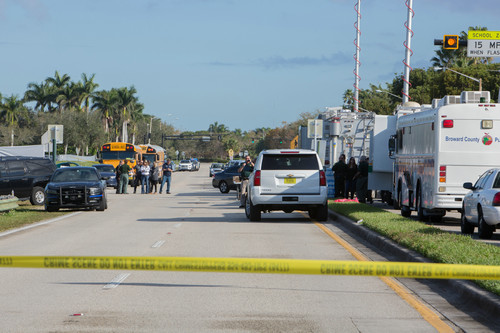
(146, 174)
(351, 178)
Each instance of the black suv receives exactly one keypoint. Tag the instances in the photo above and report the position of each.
(26, 177)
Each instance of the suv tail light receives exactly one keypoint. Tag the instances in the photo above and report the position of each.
(322, 178)
(256, 178)
(496, 199)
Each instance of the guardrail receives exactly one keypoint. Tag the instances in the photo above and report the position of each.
(8, 202)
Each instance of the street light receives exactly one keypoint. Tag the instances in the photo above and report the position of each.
(384, 91)
(437, 68)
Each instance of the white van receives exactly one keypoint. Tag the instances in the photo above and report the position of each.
(287, 180)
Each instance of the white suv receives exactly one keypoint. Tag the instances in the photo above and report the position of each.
(287, 180)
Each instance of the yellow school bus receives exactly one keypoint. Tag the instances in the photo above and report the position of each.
(114, 152)
(154, 154)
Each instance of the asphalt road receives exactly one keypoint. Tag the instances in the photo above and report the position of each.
(197, 220)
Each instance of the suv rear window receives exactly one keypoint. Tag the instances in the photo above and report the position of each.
(289, 162)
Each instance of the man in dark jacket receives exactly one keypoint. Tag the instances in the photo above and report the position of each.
(245, 170)
(124, 169)
(339, 173)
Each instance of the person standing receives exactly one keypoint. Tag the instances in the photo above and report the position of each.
(340, 169)
(245, 170)
(167, 169)
(118, 173)
(155, 176)
(137, 176)
(362, 179)
(145, 170)
(350, 182)
(124, 169)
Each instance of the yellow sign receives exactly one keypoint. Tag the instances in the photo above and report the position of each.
(230, 152)
(294, 144)
(258, 265)
(480, 34)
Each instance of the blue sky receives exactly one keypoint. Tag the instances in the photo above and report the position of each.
(245, 64)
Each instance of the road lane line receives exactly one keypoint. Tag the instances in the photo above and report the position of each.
(430, 316)
(158, 244)
(116, 281)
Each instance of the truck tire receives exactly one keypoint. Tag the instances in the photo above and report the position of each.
(420, 209)
(37, 196)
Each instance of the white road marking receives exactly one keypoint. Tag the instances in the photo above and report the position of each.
(177, 225)
(158, 244)
(116, 281)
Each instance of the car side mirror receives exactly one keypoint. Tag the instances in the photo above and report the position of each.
(468, 186)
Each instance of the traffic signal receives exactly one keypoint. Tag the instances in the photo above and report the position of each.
(253, 140)
(450, 42)
(281, 141)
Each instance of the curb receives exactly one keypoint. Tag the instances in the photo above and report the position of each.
(469, 293)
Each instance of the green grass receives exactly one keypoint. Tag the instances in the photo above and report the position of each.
(25, 214)
(438, 245)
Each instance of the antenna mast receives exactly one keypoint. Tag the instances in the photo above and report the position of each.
(357, 78)
(409, 52)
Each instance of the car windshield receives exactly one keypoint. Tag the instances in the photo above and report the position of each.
(74, 175)
(290, 162)
(105, 168)
(186, 162)
(217, 166)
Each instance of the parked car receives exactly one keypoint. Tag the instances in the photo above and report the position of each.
(66, 164)
(25, 177)
(224, 180)
(214, 168)
(76, 187)
(185, 165)
(481, 206)
(287, 180)
(107, 170)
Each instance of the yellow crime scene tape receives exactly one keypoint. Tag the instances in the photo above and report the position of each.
(257, 265)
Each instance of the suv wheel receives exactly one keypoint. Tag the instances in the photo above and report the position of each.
(322, 213)
(252, 212)
(37, 196)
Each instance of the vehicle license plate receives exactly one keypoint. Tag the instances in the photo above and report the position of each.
(290, 180)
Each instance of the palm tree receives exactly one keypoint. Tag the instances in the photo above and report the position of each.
(136, 116)
(38, 93)
(105, 103)
(88, 88)
(126, 100)
(57, 83)
(70, 96)
(12, 109)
